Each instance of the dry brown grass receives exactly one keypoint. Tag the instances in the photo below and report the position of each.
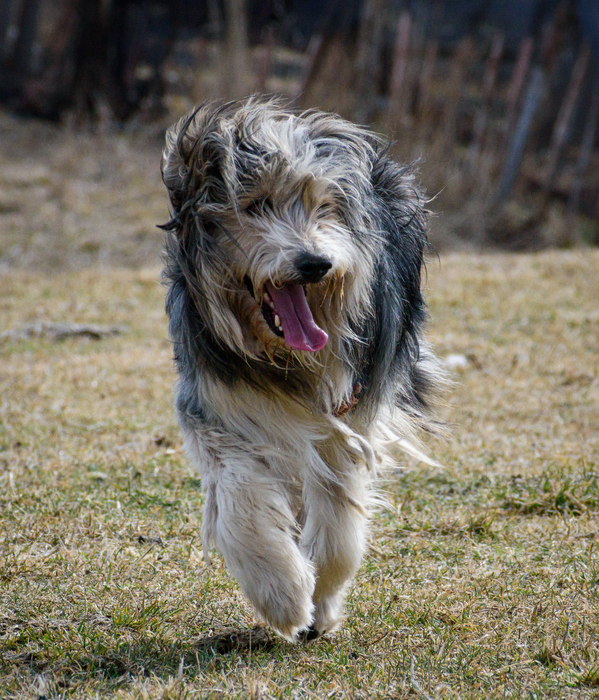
(71, 199)
(483, 578)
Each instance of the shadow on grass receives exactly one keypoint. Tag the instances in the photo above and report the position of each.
(143, 658)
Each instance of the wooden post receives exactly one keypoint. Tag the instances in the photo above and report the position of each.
(370, 35)
(427, 73)
(561, 129)
(399, 98)
(586, 148)
(456, 81)
(315, 53)
(517, 82)
(215, 18)
(5, 15)
(482, 115)
(237, 58)
(265, 60)
(532, 100)
(20, 57)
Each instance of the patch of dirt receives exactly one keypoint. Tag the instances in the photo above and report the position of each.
(233, 639)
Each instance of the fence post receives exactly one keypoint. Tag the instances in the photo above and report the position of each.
(399, 103)
(586, 148)
(427, 73)
(517, 81)
(370, 37)
(482, 115)
(455, 84)
(236, 50)
(532, 100)
(561, 129)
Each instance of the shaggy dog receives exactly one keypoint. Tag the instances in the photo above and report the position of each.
(293, 259)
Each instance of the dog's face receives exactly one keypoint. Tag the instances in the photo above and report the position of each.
(271, 224)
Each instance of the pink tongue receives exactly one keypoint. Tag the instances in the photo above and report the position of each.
(299, 328)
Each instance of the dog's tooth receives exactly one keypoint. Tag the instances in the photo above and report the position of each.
(277, 321)
(266, 297)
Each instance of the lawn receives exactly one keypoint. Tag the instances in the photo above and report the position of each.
(482, 580)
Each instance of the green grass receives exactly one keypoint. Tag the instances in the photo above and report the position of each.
(482, 580)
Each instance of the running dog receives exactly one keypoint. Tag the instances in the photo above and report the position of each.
(293, 263)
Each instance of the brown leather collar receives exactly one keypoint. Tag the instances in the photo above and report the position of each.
(346, 406)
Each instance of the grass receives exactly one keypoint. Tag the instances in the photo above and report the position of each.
(482, 580)
(483, 577)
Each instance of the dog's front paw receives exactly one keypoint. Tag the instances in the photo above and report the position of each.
(288, 620)
(284, 603)
(328, 613)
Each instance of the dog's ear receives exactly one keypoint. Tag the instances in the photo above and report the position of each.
(401, 203)
(193, 162)
(403, 219)
(399, 218)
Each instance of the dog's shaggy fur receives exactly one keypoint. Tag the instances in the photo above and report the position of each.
(294, 258)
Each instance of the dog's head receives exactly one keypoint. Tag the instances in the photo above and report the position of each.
(276, 224)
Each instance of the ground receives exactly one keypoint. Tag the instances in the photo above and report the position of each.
(482, 578)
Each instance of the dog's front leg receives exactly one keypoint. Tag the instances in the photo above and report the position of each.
(334, 538)
(254, 528)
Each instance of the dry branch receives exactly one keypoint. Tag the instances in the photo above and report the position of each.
(60, 331)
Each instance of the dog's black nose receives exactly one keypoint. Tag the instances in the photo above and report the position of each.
(312, 268)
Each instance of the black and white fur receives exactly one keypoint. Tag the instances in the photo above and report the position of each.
(288, 439)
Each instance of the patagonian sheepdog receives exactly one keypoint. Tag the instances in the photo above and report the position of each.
(293, 262)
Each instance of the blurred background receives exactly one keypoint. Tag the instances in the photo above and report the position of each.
(497, 100)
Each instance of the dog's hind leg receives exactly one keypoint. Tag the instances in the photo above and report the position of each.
(334, 538)
(254, 528)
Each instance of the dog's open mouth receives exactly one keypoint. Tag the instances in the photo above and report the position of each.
(288, 314)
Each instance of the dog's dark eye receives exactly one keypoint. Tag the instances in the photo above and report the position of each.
(211, 228)
(260, 206)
